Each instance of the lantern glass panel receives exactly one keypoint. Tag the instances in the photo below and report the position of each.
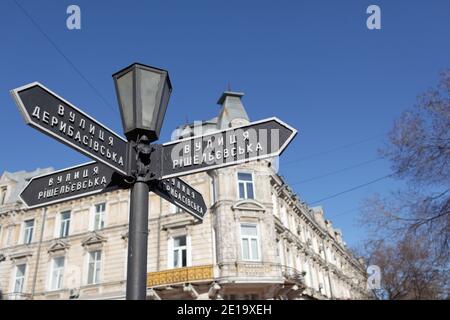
(125, 86)
(164, 101)
(149, 85)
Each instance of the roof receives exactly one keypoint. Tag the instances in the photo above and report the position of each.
(17, 181)
(232, 110)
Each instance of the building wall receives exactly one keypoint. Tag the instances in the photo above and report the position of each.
(301, 256)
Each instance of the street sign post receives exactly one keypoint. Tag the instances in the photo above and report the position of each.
(179, 193)
(71, 183)
(255, 141)
(46, 111)
(138, 164)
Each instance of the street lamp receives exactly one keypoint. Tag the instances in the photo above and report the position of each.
(143, 93)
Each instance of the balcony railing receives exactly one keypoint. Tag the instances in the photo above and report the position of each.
(292, 274)
(15, 296)
(248, 269)
(180, 275)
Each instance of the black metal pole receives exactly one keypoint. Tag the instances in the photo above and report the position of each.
(137, 242)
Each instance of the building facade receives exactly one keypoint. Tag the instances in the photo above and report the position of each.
(257, 241)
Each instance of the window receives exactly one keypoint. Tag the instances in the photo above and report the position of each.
(174, 208)
(315, 245)
(275, 204)
(3, 191)
(292, 221)
(308, 238)
(280, 251)
(320, 287)
(8, 236)
(28, 231)
(94, 267)
(298, 263)
(250, 242)
(307, 269)
(284, 217)
(56, 275)
(213, 191)
(99, 216)
(64, 224)
(19, 278)
(179, 252)
(288, 258)
(304, 235)
(245, 185)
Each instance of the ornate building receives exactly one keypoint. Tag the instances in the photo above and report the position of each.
(257, 241)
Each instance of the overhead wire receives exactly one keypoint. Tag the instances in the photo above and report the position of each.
(320, 153)
(65, 57)
(357, 165)
(351, 189)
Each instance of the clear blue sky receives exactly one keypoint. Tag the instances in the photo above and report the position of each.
(313, 64)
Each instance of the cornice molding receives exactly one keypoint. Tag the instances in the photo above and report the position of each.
(21, 255)
(57, 246)
(248, 205)
(93, 239)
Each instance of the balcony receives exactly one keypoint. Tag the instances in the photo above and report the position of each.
(243, 271)
(15, 296)
(293, 275)
(180, 275)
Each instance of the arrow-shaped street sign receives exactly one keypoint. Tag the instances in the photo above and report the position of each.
(71, 183)
(95, 178)
(58, 118)
(179, 193)
(255, 141)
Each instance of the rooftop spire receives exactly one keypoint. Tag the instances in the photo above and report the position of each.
(233, 111)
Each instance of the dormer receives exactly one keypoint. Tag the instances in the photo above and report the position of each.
(7, 184)
(3, 194)
(319, 216)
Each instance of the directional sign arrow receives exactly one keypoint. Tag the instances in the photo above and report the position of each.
(71, 183)
(58, 118)
(179, 193)
(255, 141)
